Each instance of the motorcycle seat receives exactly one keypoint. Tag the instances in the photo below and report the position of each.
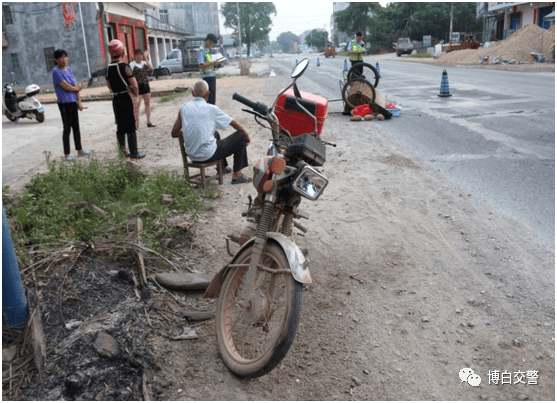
(19, 99)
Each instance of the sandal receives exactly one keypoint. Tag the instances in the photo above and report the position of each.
(241, 179)
(83, 154)
(70, 158)
(227, 170)
(150, 125)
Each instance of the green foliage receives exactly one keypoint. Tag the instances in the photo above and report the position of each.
(317, 38)
(255, 20)
(356, 17)
(48, 210)
(287, 46)
(414, 20)
(171, 97)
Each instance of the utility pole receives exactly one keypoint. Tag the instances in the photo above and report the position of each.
(239, 30)
(451, 28)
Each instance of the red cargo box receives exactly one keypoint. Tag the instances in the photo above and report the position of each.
(293, 119)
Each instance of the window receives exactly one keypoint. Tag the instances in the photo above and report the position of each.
(49, 58)
(15, 63)
(173, 55)
(7, 15)
(163, 16)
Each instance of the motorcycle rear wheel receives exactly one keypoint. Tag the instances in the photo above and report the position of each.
(253, 341)
(10, 117)
(365, 71)
(39, 116)
(358, 92)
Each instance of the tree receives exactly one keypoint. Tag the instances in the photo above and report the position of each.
(356, 17)
(432, 18)
(286, 41)
(255, 20)
(317, 38)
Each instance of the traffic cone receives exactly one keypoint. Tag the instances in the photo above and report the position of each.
(319, 64)
(444, 92)
(378, 69)
(296, 62)
(345, 65)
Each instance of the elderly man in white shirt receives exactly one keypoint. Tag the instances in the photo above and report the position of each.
(197, 122)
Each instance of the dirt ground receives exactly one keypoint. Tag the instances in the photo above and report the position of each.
(413, 280)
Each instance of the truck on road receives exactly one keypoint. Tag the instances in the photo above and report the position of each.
(185, 57)
(461, 41)
(403, 46)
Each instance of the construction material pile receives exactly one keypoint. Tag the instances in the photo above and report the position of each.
(516, 47)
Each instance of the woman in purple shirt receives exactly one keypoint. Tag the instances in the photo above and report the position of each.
(69, 101)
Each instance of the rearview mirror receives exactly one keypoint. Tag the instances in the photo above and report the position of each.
(300, 68)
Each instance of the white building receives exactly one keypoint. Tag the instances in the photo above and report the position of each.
(503, 18)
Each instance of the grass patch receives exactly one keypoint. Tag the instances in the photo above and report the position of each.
(171, 97)
(47, 212)
(423, 56)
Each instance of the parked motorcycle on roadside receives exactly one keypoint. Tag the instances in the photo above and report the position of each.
(259, 290)
(26, 106)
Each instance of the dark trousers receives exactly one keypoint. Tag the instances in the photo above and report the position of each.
(235, 144)
(358, 70)
(70, 120)
(212, 81)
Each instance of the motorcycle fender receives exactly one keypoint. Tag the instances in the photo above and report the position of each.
(296, 260)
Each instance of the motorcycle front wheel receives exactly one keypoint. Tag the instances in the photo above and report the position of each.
(254, 335)
(39, 116)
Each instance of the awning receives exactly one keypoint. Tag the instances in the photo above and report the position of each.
(550, 16)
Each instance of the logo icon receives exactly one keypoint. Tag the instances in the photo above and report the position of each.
(468, 375)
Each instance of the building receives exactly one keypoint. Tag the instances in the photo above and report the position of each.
(503, 18)
(28, 43)
(336, 36)
(172, 20)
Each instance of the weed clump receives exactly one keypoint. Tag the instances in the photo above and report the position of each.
(59, 206)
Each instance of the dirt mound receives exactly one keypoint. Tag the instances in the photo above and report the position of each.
(517, 46)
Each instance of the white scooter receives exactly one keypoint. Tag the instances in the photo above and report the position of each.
(26, 106)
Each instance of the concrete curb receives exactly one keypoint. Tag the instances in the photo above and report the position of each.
(108, 98)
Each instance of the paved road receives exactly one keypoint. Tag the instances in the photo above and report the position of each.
(495, 136)
(23, 143)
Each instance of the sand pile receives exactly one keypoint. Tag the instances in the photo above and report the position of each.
(517, 46)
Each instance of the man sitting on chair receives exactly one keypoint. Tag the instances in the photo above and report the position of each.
(197, 122)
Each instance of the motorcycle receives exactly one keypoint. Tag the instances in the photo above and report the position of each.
(259, 290)
(26, 106)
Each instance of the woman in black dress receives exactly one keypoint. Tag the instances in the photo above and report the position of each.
(121, 82)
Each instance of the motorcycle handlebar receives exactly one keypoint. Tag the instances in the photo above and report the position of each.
(256, 106)
(243, 100)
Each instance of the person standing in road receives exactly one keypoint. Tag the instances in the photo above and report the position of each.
(140, 66)
(69, 102)
(121, 82)
(197, 122)
(207, 66)
(356, 50)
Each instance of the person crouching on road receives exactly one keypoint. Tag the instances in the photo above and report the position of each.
(207, 66)
(120, 79)
(69, 102)
(356, 50)
(197, 122)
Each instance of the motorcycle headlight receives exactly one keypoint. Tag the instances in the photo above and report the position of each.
(310, 183)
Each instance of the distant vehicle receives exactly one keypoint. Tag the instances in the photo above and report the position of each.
(403, 46)
(461, 41)
(330, 50)
(280, 52)
(185, 58)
